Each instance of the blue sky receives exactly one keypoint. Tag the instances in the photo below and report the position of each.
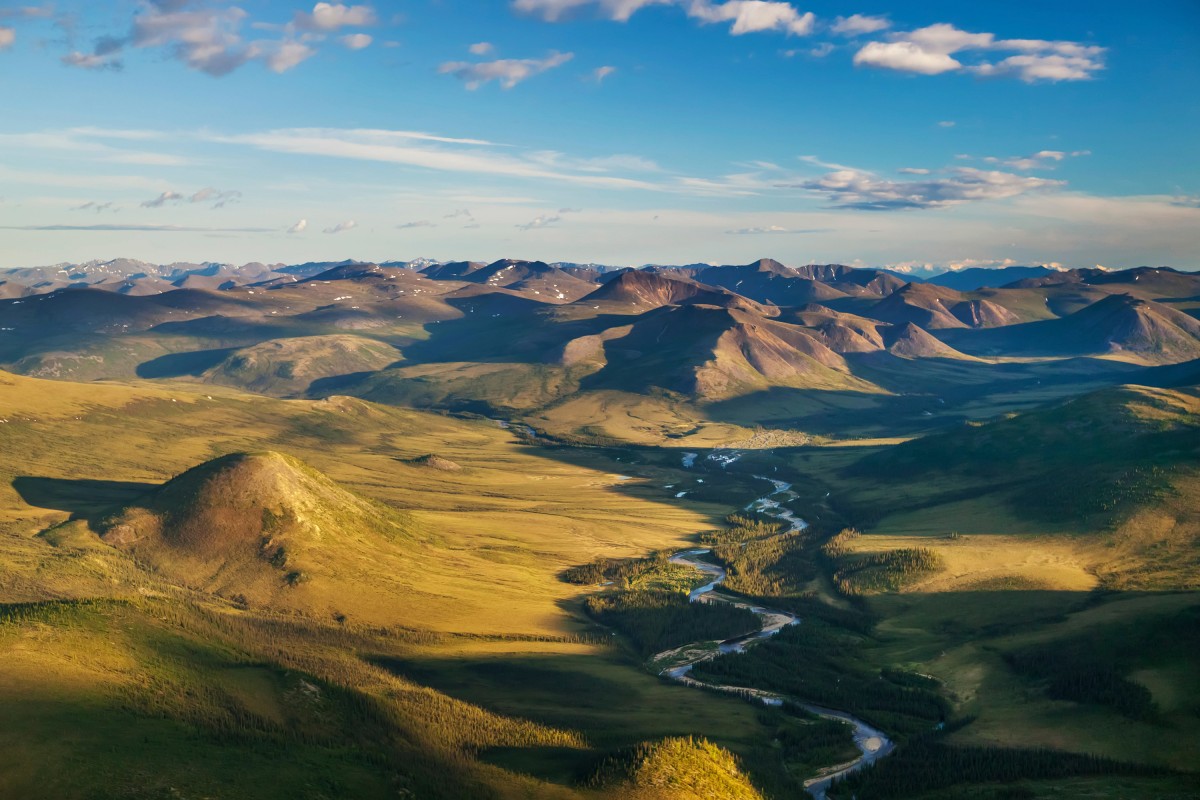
(617, 131)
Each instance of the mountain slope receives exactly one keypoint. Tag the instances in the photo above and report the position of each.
(637, 291)
(1121, 464)
(288, 367)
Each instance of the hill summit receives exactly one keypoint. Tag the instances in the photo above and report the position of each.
(257, 526)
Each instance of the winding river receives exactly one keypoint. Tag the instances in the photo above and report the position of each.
(872, 743)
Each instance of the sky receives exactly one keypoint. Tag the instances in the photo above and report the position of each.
(904, 135)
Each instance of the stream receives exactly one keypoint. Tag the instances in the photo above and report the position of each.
(872, 743)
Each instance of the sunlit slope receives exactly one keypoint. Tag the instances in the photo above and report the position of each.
(1118, 465)
(675, 769)
(267, 529)
(509, 516)
(195, 632)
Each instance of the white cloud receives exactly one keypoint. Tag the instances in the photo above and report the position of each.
(1043, 159)
(746, 16)
(209, 39)
(44, 11)
(342, 226)
(930, 51)
(947, 123)
(286, 55)
(7, 37)
(913, 171)
(205, 39)
(90, 61)
(481, 48)
(298, 226)
(863, 191)
(507, 71)
(856, 24)
(600, 73)
(556, 10)
(421, 223)
(163, 199)
(905, 57)
(218, 198)
(356, 41)
(544, 221)
(773, 229)
(754, 16)
(1036, 67)
(332, 16)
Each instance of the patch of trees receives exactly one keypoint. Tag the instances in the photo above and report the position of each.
(741, 528)
(1068, 677)
(805, 741)
(773, 567)
(1092, 668)
(857, 574)
(817, 663)
(620, 571)
(660, 620)
(926, 764)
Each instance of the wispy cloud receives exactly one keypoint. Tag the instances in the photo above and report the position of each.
(356, 41)
(217, 197)
(341, 227)
(428, 152)
(600, 73)
(420, 223)
(162, 200)
(299, 226)
(93, 205)
(852, 189)
(541, 221)
(135, 227)
(769, 229)
(1043, 159)
(857, 24)
(507, 71)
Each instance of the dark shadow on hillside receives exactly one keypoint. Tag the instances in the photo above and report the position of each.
(82, 499)
(176, 365)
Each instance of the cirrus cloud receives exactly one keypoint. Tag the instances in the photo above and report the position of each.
(508, 72)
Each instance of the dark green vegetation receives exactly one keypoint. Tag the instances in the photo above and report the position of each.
(1087, 669)
(922, 767)
(857, 574)
(661, 620)
(819, 663)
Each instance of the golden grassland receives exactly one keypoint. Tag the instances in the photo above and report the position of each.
(166, 665)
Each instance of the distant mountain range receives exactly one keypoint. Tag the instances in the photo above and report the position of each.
(515, 336)
(131, 276)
